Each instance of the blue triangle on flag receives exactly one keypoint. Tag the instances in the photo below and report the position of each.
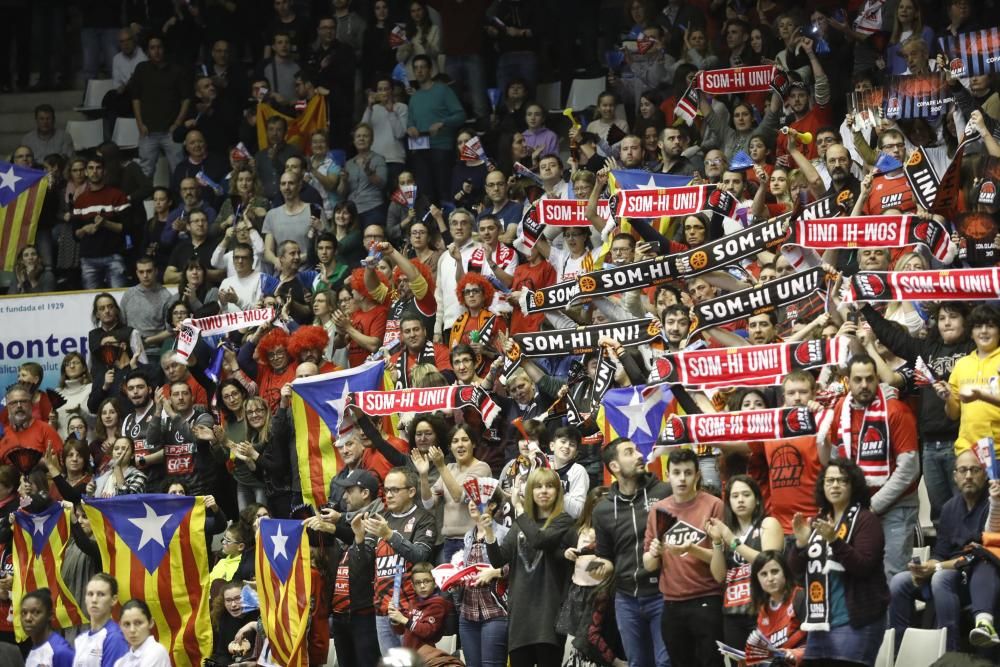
(280, 540)
(145, 522)
(740, 161)
(327, 393)
(887, 163)
(494, 95)
(637, 413)
(614, 59)
(39, 525)
(14, 180)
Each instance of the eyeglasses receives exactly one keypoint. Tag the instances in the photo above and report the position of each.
(962, 471)
(274, 354)
(472, 290)
(886, 147)
(226, 540)
(242, 258)
(256, 411)
(836, 481)
(423, 435)
(393, 490)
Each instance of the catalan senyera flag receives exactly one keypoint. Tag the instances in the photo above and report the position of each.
(317, 407)
(637, 413)
(284, 586)
(39, 542)
(154, 546)
(22, 193)
(313, 117)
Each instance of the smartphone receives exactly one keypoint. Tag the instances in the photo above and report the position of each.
(585, 551)
(316, 211)
(654, 246)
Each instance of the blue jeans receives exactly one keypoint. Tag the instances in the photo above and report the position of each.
(467, 73)
(898, 525)
(484, 643)
(387, 639)
(450, 547)
(949, 593)
(150, 147)
(102, 272)
(98, 44)
(938, 462)
(639, 625)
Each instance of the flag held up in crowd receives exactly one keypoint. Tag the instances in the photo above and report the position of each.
(154, 546)
(40, 539)
(22, 193)
(284, 586)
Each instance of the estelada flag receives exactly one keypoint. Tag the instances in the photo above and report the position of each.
(22, 193)
(300, 128)
(318, 404)
(284, 586)
(154, 546)
(39, 542)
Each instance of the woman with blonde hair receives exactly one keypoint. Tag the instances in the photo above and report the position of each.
(911, 314)
(534, 549)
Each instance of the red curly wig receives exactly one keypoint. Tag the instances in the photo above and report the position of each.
(272, 340)
(424, 270)
(479, 281)
(357, 281)
(307, 338)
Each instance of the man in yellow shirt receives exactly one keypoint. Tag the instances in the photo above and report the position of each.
(972, 393)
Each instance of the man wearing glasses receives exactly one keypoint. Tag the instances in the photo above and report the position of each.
(940, 578)
(404, 535)
(888, 190)
(25, 431)
(241, 291)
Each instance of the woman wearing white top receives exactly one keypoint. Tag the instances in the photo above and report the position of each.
(389, 119)
(137, 626)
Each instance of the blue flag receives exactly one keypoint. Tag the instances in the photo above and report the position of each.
(636, 413)
(327, 393)
(740, 161)
(635, 179)
(887, 163)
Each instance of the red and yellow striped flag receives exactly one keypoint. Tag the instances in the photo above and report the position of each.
(39, 542)
(22, 193)
(300, 128)
(154, 546)
(284, 586)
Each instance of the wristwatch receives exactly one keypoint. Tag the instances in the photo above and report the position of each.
(938, 567)
(735, 543)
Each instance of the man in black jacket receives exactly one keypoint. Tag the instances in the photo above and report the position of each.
(620, 523)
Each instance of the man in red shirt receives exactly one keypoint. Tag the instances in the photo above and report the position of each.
(878, 432)
(889, 190)
(362, 332)
(787, 470)
(807, 116)
(417, 349)
(26, 432)
(533, 274)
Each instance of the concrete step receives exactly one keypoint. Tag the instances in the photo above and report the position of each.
(14, 125)
(60, 100)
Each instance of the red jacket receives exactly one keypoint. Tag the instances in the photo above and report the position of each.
(427, 617)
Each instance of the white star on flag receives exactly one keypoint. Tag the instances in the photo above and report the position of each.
(650, 184)
(9, 179)
(39, 522)
(338, 403)
(151, 526)
(279, 544)
(636, 412)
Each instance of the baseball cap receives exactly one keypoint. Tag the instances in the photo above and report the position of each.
(362, 478)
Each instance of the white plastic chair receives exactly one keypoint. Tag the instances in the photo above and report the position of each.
(86, 133)
(94, 95)
(887, 652)
(126, 133)
(549, 96)
(583, 92)
(920, 648)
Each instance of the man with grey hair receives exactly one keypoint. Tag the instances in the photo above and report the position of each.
(452, 265)
(25, 432)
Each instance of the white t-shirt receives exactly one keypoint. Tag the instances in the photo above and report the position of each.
(149, 654)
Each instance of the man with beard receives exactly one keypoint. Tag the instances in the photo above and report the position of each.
(307, 345)
(139, 392)
(620, 523)
(963, 519)
(806, 115)
(630, 152)
(417, 348)
(183, 440)
(834, 178)
(26, 432)
(673, 141)
(878, 432)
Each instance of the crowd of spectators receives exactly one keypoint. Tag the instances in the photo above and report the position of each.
(401, 228)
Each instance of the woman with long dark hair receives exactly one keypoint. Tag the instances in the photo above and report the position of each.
(107, 428)
(780, 604)
(841, 554)
(30, 274)
(736, 541)
(194, 290)
(74, 386)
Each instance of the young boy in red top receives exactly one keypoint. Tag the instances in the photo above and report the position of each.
(423, 622)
